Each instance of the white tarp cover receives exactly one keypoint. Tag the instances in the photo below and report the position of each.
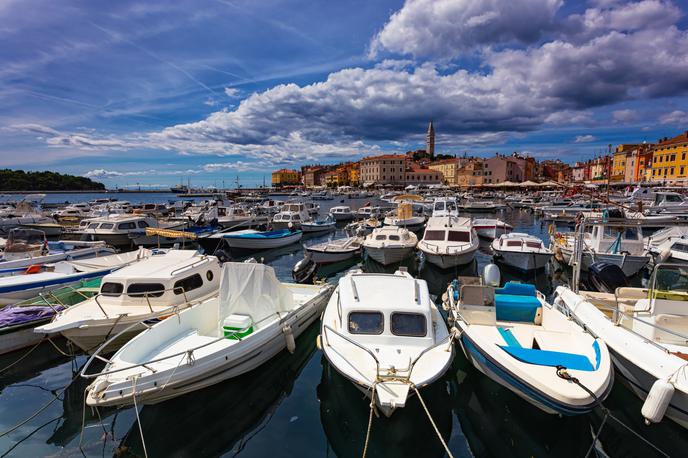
(251, 289)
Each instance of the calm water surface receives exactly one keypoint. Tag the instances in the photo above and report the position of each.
(297, 405)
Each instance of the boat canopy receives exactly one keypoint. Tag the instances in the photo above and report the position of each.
(253, 290)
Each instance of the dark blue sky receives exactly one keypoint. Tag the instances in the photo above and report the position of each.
(156, 92)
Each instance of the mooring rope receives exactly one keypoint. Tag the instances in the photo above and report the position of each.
(432, 422)
(370, 418)
(10, 366)
(138, 419)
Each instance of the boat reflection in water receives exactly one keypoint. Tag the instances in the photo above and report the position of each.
(344, 413)
(211, 421)
(496, 422)
(438, 279)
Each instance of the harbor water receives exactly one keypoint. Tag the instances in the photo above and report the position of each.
(297, 405)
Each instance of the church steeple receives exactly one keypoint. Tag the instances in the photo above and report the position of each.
(430, 140)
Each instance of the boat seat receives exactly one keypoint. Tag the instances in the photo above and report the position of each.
(550, 358)
(518, 302)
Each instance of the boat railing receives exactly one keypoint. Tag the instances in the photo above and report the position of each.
(327, 328)
(188, 352)
(204, 259)
(448, 338)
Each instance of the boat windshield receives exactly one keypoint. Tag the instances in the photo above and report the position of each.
(24, 240)
(671, 282)
(408, 324)
(366, 323)
(459, 236)
(434, 235)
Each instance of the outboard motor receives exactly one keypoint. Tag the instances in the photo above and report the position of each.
(304, 270)
(606, 277)
(222, 256)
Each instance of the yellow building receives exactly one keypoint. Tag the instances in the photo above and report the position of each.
(619, 162)
(354, 174)
(285, 177)
(449, 169)
(670, 160)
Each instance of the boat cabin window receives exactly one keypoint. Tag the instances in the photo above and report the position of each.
(123, 226)
(380, 237)
(143, 224)
(93, 225)
(434, 235)
(394, 237)
(451, 206)
(533, 244)
(366, 323)
(631, 233)
(513, 243)
(107, 226)
(459, 236)
(680, 247)
(439, 206)
(296, 217)
(111, 289)
(408, 324)
(145, 289)
(188, 284)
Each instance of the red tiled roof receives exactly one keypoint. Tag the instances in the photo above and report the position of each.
(285, 171)
(384, 156)
(683, 138)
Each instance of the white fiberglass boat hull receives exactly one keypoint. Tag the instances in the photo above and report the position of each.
(389, 255)
(630, 264)
(219, 360)
(313, 227)
(263, 243)
(451, 259)
(522, 260)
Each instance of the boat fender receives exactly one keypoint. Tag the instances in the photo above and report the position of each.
(98, 387)
(657, 401)
(491, 275)
(318, 343)
(289, 337)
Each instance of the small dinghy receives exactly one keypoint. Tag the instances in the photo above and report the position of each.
(320, 225)
(491, 228)
(521, 251)
(390, 244)
(335, 250)
(404, 217)
(18, 321)
(516, 338)
(149, 290)
(253, 319)
(384, 334)
(251, 239)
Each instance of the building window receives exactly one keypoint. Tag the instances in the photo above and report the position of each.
(673, 157)
(682, 169)
(683, 156)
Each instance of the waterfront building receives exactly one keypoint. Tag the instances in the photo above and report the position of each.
(384, 169)
(670, 160)
(416, 175)
(638, 163)
(515, 168)
(313, 176)
(449, 169)
(285, 177)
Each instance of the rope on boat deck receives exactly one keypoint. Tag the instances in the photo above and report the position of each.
(562, 373)
(432, 422)
(138, 419)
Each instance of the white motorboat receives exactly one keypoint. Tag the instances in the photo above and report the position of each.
(384, 334)
(491, 228)
(250, 239)
(445, 206)
(404, 217)
(119, 230)
(522, 251)
(149, 290)
(646, 330)
(342, 213)
(368, 211)
(478, 206)
(449, 241)
(321, 225)
(29, 247)
(312, 208)
(390, 244)
(34, 281)
(624, 247)
(291, 215)
(516, 338)
(335, 250)
(253, 319)
(668, 243)
(233, 217)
